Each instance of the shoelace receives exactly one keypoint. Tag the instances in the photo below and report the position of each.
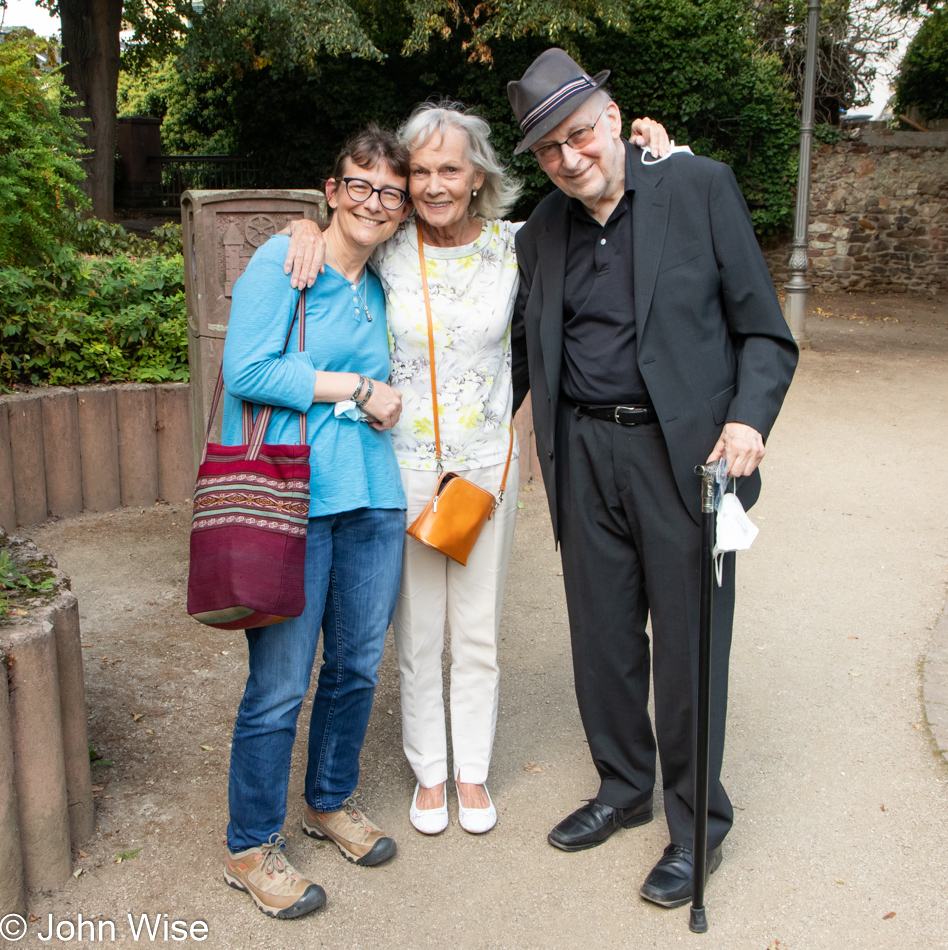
(351, 809)
(273, 860)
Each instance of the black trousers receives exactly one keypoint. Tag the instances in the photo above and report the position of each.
(631, 551)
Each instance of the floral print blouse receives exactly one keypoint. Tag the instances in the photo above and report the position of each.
(472, 289)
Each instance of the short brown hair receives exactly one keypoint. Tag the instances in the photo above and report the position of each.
(371, 146)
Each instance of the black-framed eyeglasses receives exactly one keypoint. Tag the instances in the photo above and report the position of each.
(360, 190)
(552, 151)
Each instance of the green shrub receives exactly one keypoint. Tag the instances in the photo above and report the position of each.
(39, 155)
(79, 319)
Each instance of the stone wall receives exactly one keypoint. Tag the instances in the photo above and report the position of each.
(879, 215)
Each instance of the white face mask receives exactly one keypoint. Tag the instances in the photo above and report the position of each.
(734, 531)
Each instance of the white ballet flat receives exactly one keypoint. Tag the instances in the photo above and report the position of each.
(477, 820)
(429, 821)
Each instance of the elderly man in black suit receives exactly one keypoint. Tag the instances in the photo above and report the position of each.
(648, 330)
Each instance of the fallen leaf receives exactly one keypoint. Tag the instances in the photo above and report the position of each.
(533, 767)
(87, 645)
(851, 673)
(519, 504)
(290, 834)
(149, 732)
(225, 652)
(33, 918)
(889, 915)
(839, 880)
(916, 725)
(78, 871)
(208, 748)
(97, 788)
(882, 808)
(82, 854)
(137, 716)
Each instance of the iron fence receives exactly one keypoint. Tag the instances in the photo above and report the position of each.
(179, 173)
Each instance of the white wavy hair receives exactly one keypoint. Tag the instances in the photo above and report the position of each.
(500, 190)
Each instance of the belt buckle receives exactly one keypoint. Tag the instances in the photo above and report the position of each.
(619, 409)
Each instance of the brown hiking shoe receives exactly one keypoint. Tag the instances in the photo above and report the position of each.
(276, 887)
(353, 834)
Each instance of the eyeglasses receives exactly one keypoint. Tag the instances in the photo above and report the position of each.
(551, 153)
(360, 190)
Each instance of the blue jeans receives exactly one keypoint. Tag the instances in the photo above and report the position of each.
(353, 563)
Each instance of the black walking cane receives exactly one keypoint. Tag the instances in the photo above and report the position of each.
(698, 921)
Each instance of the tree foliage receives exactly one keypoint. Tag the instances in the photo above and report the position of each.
(39, 154)
(693, 64)
(922, 80)
(855, 36)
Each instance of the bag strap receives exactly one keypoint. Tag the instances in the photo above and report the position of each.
(254, 430)
(431, 363)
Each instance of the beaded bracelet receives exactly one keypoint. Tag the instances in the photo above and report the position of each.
(367, 396)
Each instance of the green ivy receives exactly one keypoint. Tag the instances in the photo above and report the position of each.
(79, 318)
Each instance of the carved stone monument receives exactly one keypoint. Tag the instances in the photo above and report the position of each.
(221, 231)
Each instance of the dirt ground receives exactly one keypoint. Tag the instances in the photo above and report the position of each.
(841, 837)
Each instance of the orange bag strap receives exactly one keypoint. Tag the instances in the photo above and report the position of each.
(431, 362)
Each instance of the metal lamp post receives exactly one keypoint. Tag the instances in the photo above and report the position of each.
(798, 287)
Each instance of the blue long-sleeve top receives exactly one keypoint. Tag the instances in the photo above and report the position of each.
(352, 464)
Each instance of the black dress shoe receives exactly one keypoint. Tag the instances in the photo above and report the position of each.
(669, 883)
(594, 822)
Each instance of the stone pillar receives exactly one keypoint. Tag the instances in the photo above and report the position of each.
(137, 444)
(12, 887)
(98, 445)
(175, 454)
(72, 701)
(7, 504)
(25, 415)
(61, 442)
(38, 760)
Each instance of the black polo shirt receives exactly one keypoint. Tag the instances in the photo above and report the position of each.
(599, 346)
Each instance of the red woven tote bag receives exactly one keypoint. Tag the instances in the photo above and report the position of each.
(248, 532)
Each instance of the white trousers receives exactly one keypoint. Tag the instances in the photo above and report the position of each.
(434, 588)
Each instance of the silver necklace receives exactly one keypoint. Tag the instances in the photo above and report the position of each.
(340, 272)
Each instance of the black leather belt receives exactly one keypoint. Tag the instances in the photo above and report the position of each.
(623, 415)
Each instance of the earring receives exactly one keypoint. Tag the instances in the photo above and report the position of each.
(474, 193)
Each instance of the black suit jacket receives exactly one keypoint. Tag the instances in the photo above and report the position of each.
(713, 344)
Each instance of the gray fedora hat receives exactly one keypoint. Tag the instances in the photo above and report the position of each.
(553, 87)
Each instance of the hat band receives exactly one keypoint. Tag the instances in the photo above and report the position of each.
(554, 101)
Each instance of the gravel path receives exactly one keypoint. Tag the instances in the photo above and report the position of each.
(841, 838)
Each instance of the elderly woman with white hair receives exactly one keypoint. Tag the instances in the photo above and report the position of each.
(460, 193)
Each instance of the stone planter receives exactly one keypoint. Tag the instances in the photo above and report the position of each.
(45, 783)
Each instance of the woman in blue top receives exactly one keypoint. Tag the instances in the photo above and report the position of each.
(354, 537)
